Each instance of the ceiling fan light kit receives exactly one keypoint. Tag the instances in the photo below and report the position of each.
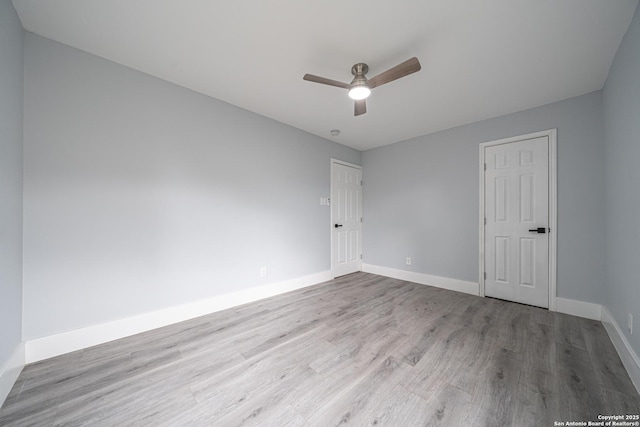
(360, 87)
(359, 92)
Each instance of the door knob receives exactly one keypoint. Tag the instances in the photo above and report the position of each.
(337, 225)
(539, 230)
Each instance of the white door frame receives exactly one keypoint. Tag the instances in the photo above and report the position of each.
(352, 165)
(553, 204)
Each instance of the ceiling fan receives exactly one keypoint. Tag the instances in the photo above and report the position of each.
(360, 87)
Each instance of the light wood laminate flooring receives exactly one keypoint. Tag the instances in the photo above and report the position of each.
(359, 350)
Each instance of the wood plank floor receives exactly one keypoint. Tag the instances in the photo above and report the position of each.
(360, 350)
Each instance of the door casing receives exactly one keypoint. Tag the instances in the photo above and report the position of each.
(553, 212)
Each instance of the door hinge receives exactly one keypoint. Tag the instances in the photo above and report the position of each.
(485, 221)
(485, 166)
(360, 256)
(361, 220)
(361, 183)
(485, 275)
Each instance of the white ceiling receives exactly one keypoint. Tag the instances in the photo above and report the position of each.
(480, 58)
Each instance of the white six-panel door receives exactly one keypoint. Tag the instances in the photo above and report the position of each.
(346, 218)
(516, 234)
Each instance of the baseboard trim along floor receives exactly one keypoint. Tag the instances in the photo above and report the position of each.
(563, 305)
(629, 358)
(66, 342)
(362, 349)
(574, 307)
(10, 371)
(55, 345)
(423, 279)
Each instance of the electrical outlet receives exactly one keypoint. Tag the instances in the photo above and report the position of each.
(408, 260)
(263, 271)
(630, 323)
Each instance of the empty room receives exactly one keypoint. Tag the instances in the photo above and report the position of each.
(250, 213)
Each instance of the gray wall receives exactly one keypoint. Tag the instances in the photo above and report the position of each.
(141, 195)
(11, 100)
(621, 100)
(421, 196)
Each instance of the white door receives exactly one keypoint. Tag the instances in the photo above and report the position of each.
(346, 218)
(516, 243)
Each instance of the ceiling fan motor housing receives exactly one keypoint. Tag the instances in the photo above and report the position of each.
(359, 70)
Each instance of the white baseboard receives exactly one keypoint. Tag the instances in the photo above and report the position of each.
(563, 305)
(424, 279)
(579, 308)
(66, 342)
(629, 358)
(10, 371)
